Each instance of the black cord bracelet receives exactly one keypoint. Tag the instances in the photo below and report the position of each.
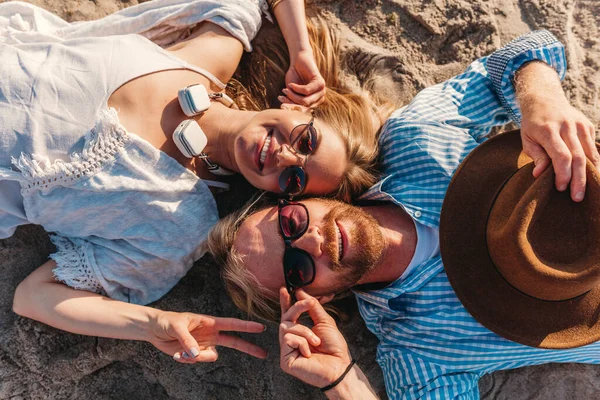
(341, 378)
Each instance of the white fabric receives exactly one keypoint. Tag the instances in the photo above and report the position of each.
(162, 21)
(129, 220)
(428, 246)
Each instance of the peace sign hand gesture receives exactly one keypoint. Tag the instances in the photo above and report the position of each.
(317, 355)
(192, 338)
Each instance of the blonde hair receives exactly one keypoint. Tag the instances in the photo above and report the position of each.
(243, 287)
(356, 116)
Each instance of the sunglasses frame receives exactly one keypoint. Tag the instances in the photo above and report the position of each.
(288, 245)
(300, 169)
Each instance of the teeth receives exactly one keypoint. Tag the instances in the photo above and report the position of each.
(263, 152)
(339, 236)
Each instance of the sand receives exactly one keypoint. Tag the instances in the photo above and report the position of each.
(400, 45)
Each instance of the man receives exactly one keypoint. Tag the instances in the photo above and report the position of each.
(389, 250)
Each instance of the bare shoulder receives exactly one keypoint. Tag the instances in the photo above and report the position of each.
(212, 48)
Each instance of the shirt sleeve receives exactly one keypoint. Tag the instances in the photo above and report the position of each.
(163, 21)
(408, 377)
(483, 96)
(502, 65)
(120, 269)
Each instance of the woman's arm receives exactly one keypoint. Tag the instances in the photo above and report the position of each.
(42, 298)
(305, 85)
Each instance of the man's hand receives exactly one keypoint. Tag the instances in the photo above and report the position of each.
(192, 338)
(553, 131)
(305, 85)
(318, 355)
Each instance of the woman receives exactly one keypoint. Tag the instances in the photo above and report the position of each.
(130, 213)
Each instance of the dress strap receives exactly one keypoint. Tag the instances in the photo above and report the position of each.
(216, 184)
(207, 74)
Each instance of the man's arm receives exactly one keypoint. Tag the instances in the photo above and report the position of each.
(42, 298)
(552, 130)
(319, 355)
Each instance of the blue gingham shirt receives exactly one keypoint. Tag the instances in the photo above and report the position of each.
(430, 346)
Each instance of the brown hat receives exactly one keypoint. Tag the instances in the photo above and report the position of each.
(522, 257)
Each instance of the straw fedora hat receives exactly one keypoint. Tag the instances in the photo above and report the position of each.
(522, 257)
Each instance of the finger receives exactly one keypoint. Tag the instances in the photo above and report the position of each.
(299, 343)
(296, 98)
(242, 345)
(314, 86)
(186, 340)
(587, 138)
(300, 330)
(538, 155)
(315, 99)
(578, 161)
(284, 100)
(239, 325)
(317, 312)
(207, 354)
(299, 308)
(561, 159)
(285, 300)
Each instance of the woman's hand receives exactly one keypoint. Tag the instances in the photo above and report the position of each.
(304, 83)
(192, 338)
(318, 355)
(553, 131)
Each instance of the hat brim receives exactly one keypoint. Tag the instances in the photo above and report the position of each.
(482, 290)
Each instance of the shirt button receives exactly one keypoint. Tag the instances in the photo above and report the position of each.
(417, 214)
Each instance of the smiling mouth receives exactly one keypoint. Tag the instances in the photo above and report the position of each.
(340, 239)
(264, 150)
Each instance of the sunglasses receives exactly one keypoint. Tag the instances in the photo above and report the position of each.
(303, 140)
(298, 266)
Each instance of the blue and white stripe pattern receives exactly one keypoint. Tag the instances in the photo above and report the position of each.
(430, 346)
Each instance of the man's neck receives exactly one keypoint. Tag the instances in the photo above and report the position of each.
(400, 238)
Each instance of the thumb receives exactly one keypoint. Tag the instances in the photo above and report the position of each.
(538, 155)
(187, 341)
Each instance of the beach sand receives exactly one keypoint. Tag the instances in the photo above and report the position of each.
(400, 47)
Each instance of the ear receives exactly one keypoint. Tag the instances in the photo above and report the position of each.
(325, 299)
(296, 107)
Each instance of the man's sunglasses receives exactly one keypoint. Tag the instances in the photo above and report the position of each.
(303, 140)
(298, 266)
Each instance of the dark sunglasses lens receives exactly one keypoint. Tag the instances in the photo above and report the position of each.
(299, 268)
(292, 180)
(293, 219)
(304, 139)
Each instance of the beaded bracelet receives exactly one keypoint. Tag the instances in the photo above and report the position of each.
(341, 378)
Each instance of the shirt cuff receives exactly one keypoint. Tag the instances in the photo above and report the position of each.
(502, 65)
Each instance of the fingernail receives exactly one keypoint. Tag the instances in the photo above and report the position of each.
(185, 355)
(194, 352)
(281, 99)
(562, 188)
(284, 90)
(264, 328)
(579, 196)
(176, 356)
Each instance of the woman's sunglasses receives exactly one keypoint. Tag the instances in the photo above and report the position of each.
(303, 140)
(298, 266)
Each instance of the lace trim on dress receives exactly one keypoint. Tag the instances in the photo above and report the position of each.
(102, 142)
(264, 7)
(72, 267)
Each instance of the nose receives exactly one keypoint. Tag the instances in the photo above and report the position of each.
(312, 242)
(287, 157)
